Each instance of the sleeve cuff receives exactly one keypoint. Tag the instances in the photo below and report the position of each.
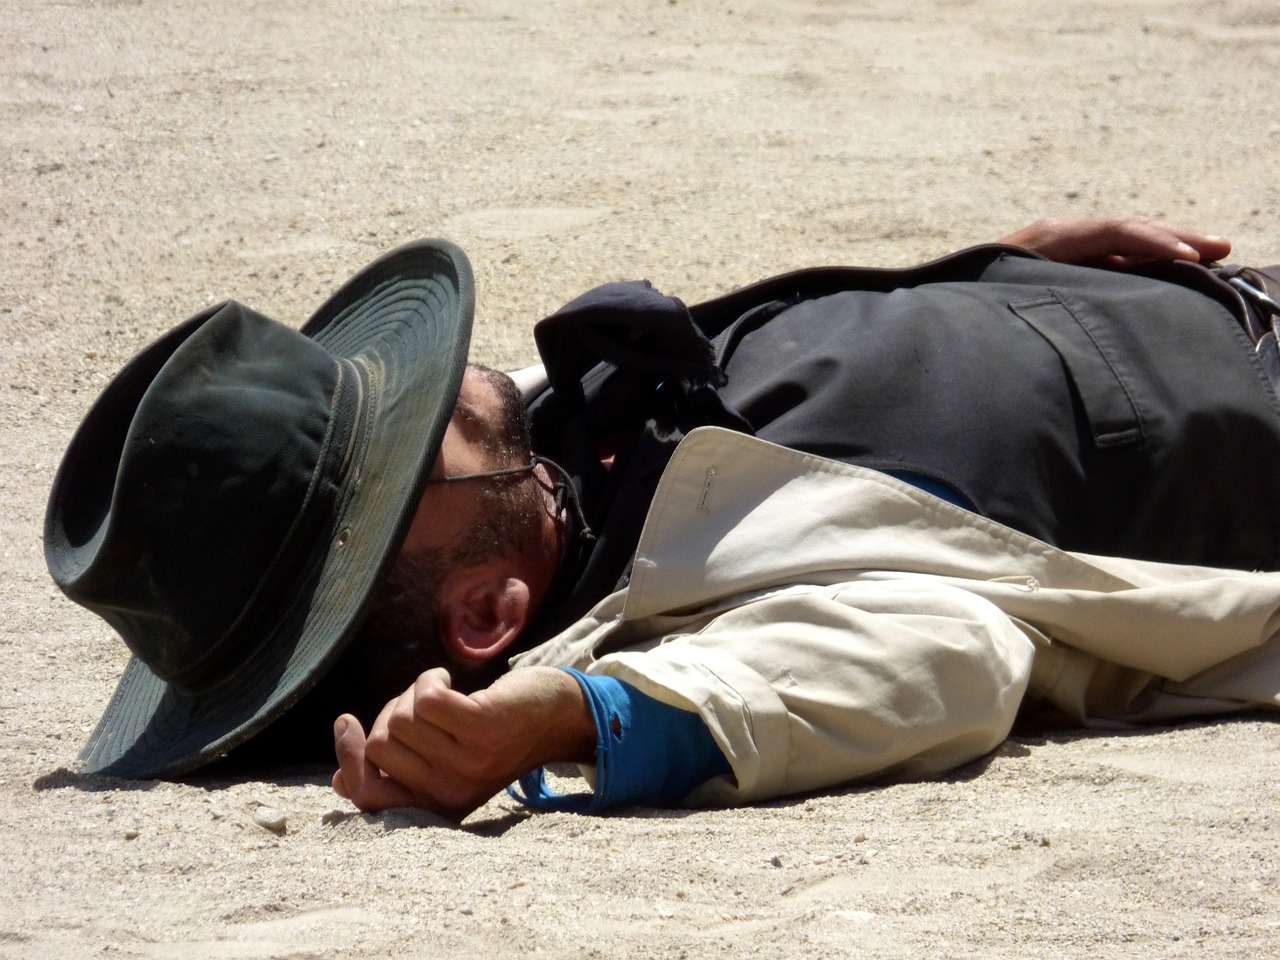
(647, 752)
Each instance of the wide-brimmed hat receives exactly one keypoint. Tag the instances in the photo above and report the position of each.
(241, 488)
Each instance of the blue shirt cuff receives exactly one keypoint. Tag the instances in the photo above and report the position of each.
(648, 752)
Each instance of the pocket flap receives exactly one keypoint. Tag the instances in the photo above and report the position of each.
(1108, 404)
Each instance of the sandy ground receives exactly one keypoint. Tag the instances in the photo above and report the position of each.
(158, 156)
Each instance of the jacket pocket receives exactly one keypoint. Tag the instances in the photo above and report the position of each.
(1108, 404)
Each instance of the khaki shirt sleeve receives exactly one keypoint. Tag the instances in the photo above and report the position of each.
(807, 687)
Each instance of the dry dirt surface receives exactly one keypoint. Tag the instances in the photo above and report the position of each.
(159, 155)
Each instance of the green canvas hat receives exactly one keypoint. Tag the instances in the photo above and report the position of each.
(235, 496)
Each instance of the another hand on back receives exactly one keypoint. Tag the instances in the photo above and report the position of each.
(1117, 241)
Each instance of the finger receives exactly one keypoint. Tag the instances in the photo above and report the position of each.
(1207, 245)
(1135, 239)
(439, 674)
(393, 774)
(348, 746)
(440, 708)
(357, 778)
(1118, 241)
(407, 740)
(1138, 239)
(402, 761)
(425, 759)
(407, 747)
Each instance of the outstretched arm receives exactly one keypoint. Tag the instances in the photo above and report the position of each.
(436, 748)
(1117, 241)
(903, 678)
(646, 751)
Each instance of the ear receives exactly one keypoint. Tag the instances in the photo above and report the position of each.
(482, 612)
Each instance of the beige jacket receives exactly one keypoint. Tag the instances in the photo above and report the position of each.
(830, 623)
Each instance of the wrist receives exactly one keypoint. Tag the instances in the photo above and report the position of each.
(577, 732)
(566, 729)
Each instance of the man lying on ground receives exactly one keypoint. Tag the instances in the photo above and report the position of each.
(839, 524)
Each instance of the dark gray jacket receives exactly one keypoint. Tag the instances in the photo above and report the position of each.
(1104, 412)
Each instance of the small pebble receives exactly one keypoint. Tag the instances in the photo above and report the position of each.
(131, 834)
(776, 860)
(271, 819)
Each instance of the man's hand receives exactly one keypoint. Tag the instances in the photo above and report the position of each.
(436, 748)
(1117, 241)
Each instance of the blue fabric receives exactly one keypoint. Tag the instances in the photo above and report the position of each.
(647, 752)
(939, 489)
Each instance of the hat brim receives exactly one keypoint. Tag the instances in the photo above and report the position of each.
(402, 328)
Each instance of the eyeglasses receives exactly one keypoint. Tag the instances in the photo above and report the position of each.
(564, 488)
(505, 472)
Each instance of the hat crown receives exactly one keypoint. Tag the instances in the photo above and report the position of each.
(223, 483)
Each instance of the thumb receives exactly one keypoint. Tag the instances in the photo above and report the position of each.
(357, 779)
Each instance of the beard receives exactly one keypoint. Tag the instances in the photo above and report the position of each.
(401, 636)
